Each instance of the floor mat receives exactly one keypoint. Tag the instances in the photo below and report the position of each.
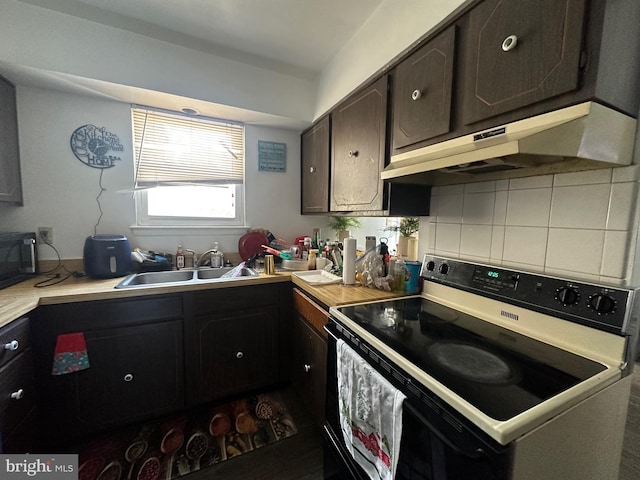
(174, 446)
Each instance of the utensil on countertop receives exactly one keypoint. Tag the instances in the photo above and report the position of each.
(277, 253)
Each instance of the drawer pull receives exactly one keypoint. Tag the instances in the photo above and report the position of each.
(416, 94)
(128, 377)
(509, 43)
(307, 368)
(12, 345)
(353, 153)
(18, 394)
(239, 355)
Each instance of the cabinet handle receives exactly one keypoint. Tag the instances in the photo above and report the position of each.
(128, 377)
(416, 94)
(12, 345)
(353, 153)
(239, 355)
(307, 368)
(312, 169)
(509, 43)
(18, 394)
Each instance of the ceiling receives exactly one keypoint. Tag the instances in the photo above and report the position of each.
(294, 37)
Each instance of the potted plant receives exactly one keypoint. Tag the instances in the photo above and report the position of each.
(341, 226)
(408, 227)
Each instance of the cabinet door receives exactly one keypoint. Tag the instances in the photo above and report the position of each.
(358, 133)
(309, 367)
(422, 92)
(10, 180)
(135, 372)
(315, 168)
(520, 52)
(232, 352)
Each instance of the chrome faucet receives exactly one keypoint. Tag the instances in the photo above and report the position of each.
(203, 256)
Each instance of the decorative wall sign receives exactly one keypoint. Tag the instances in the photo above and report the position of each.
(91, 146)
(272, 156)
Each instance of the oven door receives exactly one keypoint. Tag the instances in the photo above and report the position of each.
(436, 444)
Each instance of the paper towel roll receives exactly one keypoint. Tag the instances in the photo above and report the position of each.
(349, 261)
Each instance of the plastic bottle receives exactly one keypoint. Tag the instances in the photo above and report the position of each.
(179, 258)
(311, 263)
(399, 275)
(217, 258)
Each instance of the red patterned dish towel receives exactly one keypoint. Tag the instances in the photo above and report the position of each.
(370, 414)
(70, 354)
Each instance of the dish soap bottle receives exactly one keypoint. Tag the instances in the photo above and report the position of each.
(179, 258)
(217, 258)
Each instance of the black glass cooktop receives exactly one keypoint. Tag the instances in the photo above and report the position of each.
(500, 372)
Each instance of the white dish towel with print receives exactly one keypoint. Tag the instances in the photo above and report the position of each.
(370, 414)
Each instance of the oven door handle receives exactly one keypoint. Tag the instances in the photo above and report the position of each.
(475, 455)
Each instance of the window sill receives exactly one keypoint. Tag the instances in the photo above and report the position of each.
(168, 231)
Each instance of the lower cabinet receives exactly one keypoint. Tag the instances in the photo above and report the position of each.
(135, 352)
(18, 414)
(233, 340)
(309, 355)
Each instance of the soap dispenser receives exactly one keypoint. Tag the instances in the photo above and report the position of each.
(217, 258)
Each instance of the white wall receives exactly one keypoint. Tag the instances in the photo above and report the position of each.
(60, 191)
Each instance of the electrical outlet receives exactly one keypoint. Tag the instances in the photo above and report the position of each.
(45, 234)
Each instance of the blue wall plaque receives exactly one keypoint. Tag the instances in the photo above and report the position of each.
(272, 156)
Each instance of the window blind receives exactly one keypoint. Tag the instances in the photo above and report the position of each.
(173, 149)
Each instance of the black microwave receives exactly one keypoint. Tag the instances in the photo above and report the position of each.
(18, 257)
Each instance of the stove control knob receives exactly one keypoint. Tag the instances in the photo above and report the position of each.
(602, 304)
(431, 265)
(567, 296)
(444, 269)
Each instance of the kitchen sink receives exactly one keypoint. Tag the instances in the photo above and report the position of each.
(181, 277)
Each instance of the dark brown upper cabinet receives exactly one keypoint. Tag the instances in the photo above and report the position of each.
(358, 140)
(10, 180)
(315, 167)
(520, 52)
(422, 86)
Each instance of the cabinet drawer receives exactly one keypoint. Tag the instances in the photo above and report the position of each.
(16, 378)
(87, 316)
(310, 311)
(235, 298)
(17, 331)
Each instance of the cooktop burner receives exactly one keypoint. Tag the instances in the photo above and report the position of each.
(472, 363)
(500, 372)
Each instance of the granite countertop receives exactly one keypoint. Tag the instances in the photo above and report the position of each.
(20, 299)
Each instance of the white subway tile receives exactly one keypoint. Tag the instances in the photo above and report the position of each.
(500, 208)
(588, 177)
(540, 181)
(581, 206)
(478, 208)
(450, 189)
(575, 250)
(621, 206)
(525, 245)
(525, 267)
(502, 185)
(497, 242)
(475, 240)
(626, 174)
(450, 208)
(572, 275)
(614, 258)
(479, 187)
(448, 238)
(529, 207)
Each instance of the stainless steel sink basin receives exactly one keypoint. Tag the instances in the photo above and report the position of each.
(181, 277)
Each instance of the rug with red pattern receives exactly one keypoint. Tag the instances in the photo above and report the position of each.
(174, 446)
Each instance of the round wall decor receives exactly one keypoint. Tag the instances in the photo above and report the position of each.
(92, 145)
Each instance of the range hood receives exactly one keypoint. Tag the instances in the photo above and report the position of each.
(580, 137)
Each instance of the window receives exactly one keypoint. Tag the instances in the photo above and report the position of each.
(188, 170)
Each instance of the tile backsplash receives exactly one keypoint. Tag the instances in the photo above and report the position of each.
(581, 224)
